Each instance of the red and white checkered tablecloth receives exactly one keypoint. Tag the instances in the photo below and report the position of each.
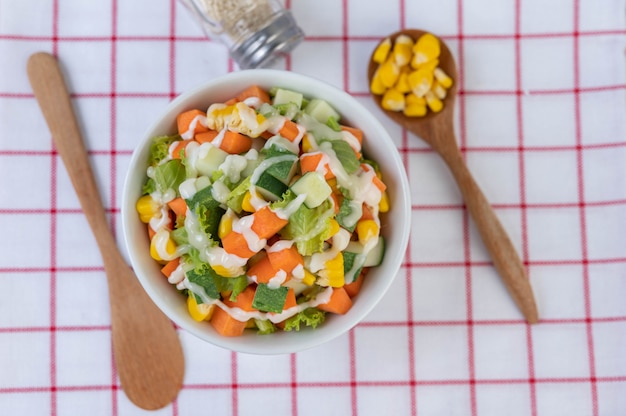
(540, 119)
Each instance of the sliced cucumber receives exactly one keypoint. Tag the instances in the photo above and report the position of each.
(375, 256)
(349, 214)
(277, 145)
(321, 111)
(284, 170)
(353, 259)
(269, 187)
(202, 182)
(209, 159)
(314, 186)
(284, 96)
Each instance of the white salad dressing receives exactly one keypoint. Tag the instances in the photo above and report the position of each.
(220, 192)
(244, 316)
(187, 189)
(244, 226)
(177, 276)
(351, 140)
(192, 126)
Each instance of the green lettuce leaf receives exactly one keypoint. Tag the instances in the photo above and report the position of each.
(159, 148)
(345, 154)
(169, 175)
(207, 209)
(205, 279)
(235, 197)
(309, 227)
(264, 326)
(311, 317)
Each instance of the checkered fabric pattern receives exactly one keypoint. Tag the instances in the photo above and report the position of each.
(540, 121)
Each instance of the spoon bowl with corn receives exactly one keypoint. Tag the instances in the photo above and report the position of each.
(413, 79)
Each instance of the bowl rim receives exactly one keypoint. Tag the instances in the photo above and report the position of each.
(401, 208)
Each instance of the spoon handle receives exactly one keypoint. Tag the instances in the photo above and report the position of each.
(147, 352)
(49, 89)
(496, 240)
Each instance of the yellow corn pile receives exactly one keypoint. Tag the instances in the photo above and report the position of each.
(408, 76)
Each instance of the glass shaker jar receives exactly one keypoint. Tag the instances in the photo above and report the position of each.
(255, 31)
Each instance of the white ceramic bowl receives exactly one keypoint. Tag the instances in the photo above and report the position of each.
(395, 224)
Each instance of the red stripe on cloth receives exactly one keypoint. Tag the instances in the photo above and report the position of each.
(113, 167)
(466, 235)
(53, 239)
(413, 376)
(234, 386)
(582, 211)
(522, 189)
(354, 398)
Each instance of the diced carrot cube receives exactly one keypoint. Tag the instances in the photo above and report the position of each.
(309, 162)
(289, 130)
(184, 120)
(225, 324)
(179, 206)
(235, 243)
(353, 288)
(235, 143)
(358, 133)
(263, 271)
(206, 136)
(170, 267)
(339, 302)
(254, 91)
(286, 259)
(267, 223)
(244, 300)
(180, 148)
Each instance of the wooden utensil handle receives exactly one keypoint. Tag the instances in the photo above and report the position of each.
(495, 238)
(51, 92)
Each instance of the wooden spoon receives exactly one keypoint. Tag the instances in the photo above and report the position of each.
(437, 129)
(147, 352)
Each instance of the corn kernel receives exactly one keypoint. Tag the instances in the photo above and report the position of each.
(334, 227)
(439, 91)
(382, 51)
(366, 230)
(333, 274)
(225, 226)
(170, 248)
(402, 85)
(412, 99)
(420, 81)
(383, 205)
(402, 50)
(426, 48)
(389, 73)
(260, 118)
(147, 208)
(250, 324)
(332, 182)
(246, 205)
(430, 65)
(415, 110)
(306, 143)
(433, 102)
(393, 100)
(376, 86)
(199, 312)
(309, 278)
(442, 77)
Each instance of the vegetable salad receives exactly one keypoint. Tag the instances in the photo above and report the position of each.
(263, 211)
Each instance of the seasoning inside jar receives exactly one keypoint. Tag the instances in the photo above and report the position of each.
(255, 31)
